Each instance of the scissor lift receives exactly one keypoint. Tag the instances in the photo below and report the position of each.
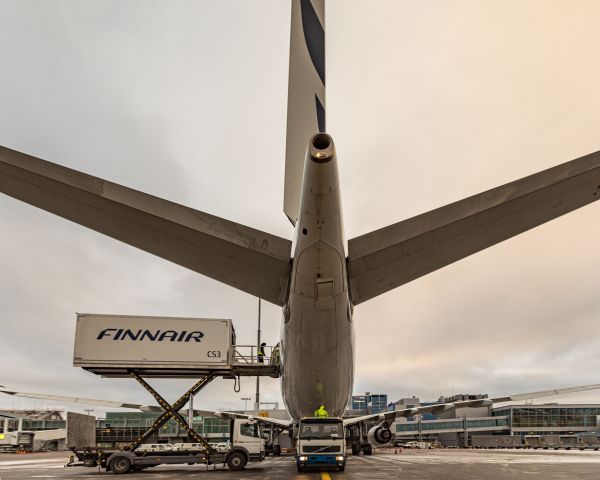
(244, 362)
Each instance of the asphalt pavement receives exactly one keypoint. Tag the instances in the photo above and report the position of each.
(411, 464)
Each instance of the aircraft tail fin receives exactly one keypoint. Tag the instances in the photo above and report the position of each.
(306, 94)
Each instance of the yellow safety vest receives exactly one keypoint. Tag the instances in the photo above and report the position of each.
(321, 412)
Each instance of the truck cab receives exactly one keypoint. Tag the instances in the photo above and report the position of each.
(246, 437)
(321, 442)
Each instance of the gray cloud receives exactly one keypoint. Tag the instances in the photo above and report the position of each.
(428, 103)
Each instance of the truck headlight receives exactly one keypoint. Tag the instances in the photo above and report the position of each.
(340, 458)
(303, 459)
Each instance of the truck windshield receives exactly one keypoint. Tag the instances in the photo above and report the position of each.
(249, 430)
(320, 430)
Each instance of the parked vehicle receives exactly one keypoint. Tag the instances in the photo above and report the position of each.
(247, 446)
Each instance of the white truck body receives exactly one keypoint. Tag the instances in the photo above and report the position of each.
(247, 445)
(113, 343)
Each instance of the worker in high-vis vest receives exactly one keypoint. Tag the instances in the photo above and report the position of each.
(321, 412)
(261, 353)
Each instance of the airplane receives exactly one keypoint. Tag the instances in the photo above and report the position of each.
(312, 277)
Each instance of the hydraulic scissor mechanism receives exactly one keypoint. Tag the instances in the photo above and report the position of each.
(172, 411)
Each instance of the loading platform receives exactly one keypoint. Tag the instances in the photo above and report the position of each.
(242, 361)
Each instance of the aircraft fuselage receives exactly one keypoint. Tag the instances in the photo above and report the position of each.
(317, 337)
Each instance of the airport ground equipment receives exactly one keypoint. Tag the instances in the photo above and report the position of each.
(166, 347)
(158, 347)
(16, 441)
(247, 442)
(320, 442)
(247, 445)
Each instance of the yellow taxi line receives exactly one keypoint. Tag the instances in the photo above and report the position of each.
(325, 476)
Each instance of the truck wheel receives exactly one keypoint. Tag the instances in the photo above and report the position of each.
(367, 449)
(120, 465)
(342, 468)
(236, 461)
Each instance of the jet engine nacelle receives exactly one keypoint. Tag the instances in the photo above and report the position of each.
(379, 436)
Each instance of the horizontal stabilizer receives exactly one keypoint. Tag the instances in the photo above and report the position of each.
(392, 256)
(252, 261)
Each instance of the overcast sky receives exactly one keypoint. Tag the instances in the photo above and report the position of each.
(428, 102)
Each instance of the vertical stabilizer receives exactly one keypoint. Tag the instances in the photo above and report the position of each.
(306, 94)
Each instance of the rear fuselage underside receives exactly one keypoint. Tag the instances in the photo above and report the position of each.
(317, 331)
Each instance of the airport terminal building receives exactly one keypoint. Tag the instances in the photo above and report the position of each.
(552, 423)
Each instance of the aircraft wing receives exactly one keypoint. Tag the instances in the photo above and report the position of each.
(392, 256)
(284, 424)
(84, 401)
(149, 408)
(438, 408)
(253, 261)
(544, 393)
(389, 417)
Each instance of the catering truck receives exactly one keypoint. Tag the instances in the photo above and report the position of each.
(320, 442)
(202, 349)
(247, 445)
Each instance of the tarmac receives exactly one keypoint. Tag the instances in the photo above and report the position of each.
(411, 464)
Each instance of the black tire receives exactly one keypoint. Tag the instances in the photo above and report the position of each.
(120, 464)
(342, 468)
(355, 449)
(300, 469)
(367, 449)
(277, 450)
(237, 461)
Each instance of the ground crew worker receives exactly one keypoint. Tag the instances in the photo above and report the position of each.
(321, 412)
(261, 353)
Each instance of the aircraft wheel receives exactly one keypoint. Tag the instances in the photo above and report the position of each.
(367, 449)
(355, 449)
(236, 461)
(120, 465)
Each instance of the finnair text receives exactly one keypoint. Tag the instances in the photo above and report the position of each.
(150, 335)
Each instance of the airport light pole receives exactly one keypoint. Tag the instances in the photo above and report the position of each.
(257, 403)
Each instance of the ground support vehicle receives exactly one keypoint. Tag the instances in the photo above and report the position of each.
(158, 347)
(320, 442)
(247, 446)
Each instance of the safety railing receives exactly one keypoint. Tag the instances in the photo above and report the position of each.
(249, 355)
